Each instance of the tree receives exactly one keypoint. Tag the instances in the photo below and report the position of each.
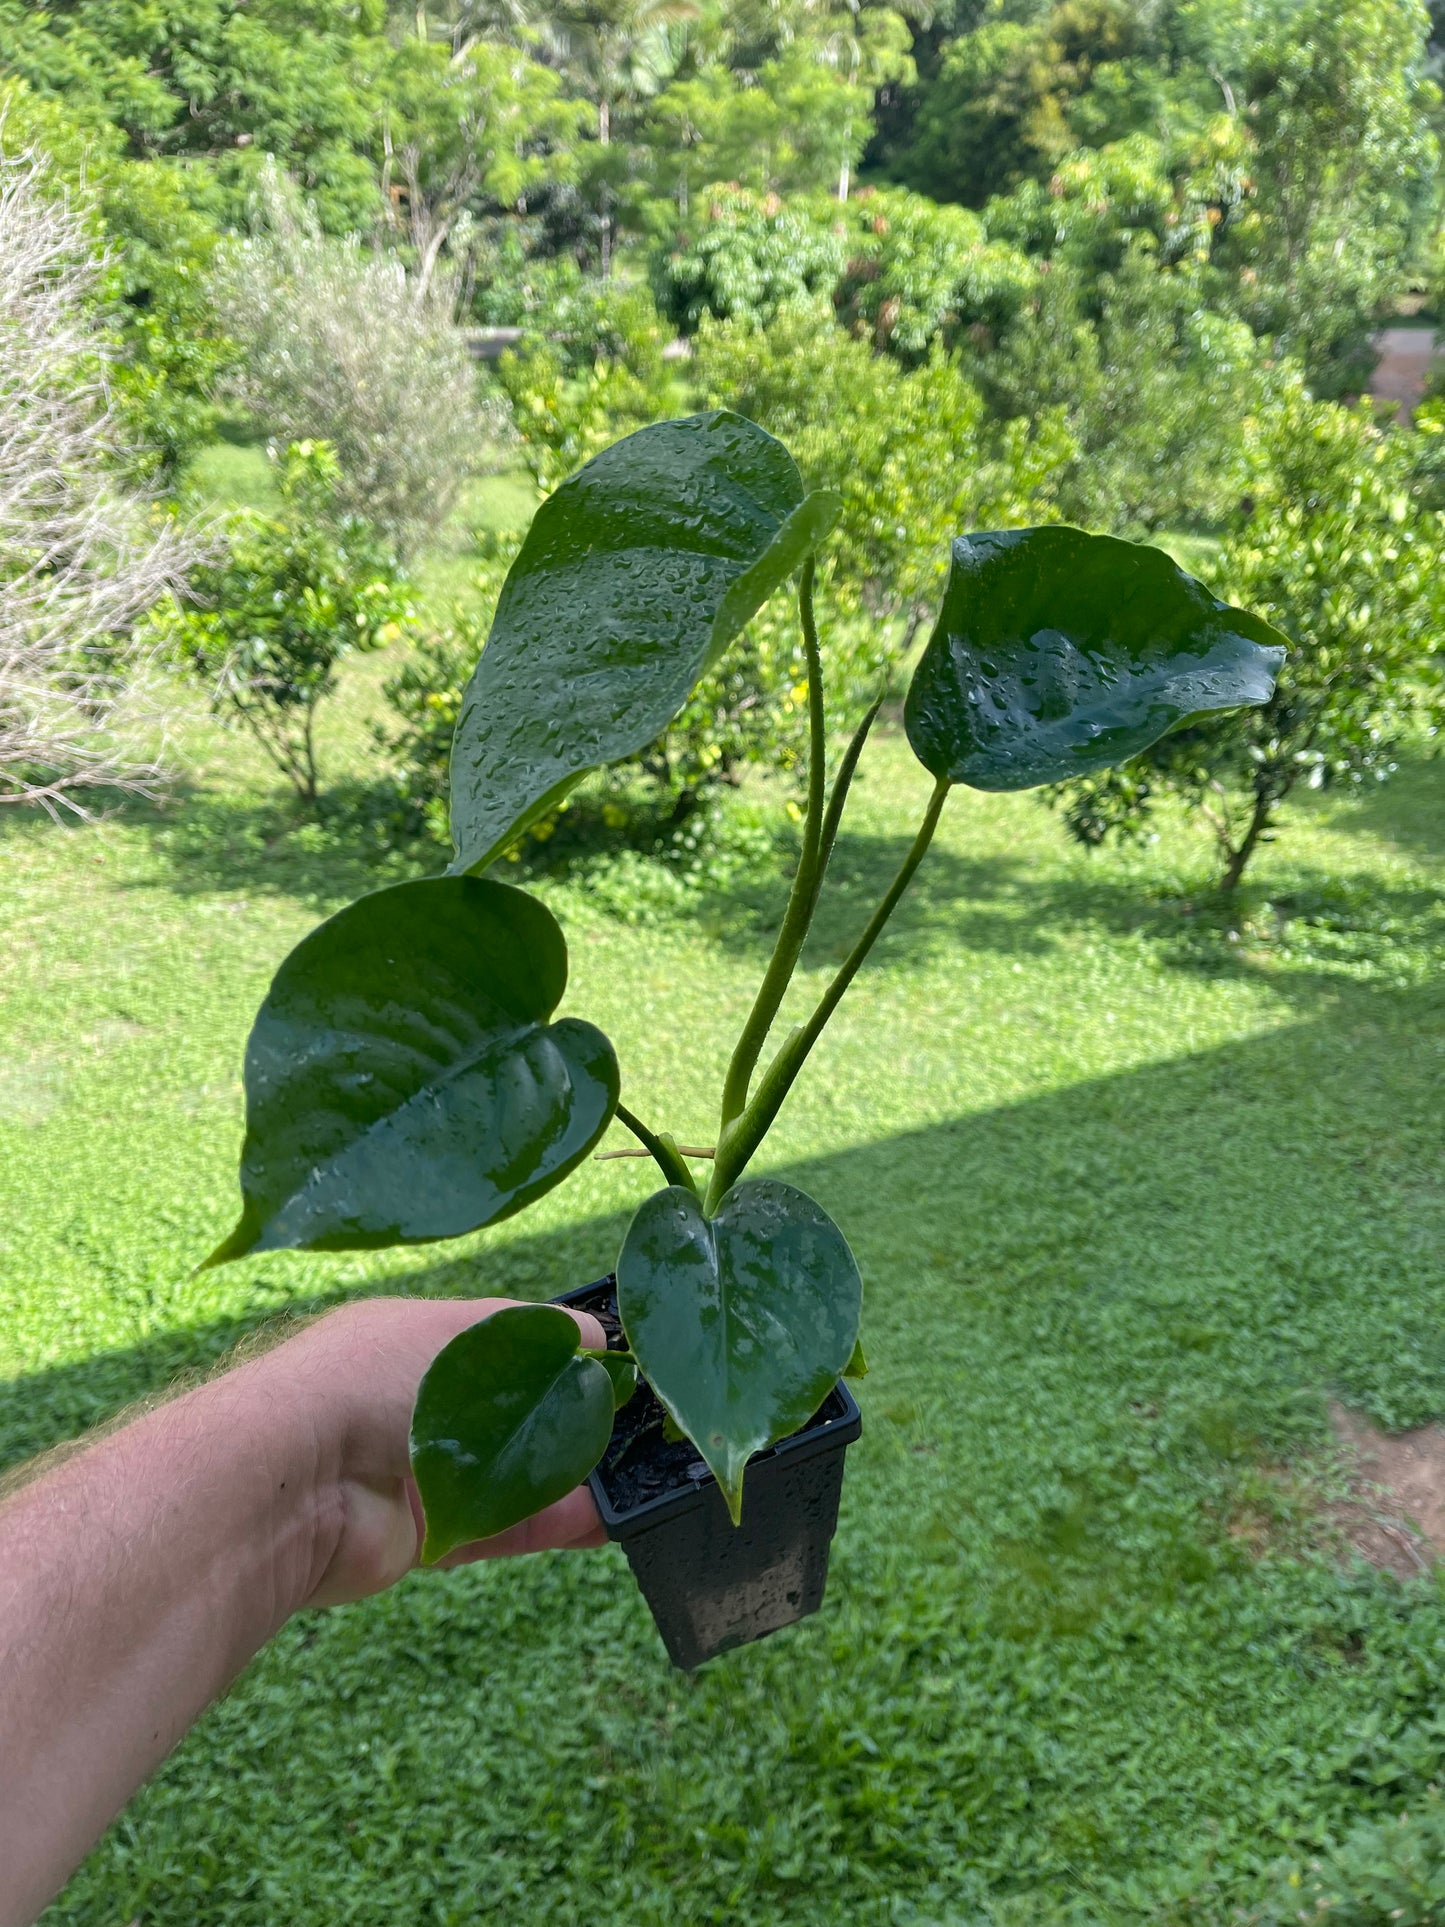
(291, 596)
(223, 81)
(920, 273)
(998, 110)
(1127, 358)
(614, 52)
(156, 243)
(465, 131)
(749, 255)
(1344, 159)
(1337, 555)
(794, 115)
(911, 451)
(82, 558)
(596, 372)
(337, 347)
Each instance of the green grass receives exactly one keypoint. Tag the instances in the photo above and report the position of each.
(1134, 1189)
(228, 475)
(234, 475)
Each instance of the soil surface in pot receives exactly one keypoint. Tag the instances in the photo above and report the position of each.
(641, 1462)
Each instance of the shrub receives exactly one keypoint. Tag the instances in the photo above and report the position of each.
(919, 273)
(291, 596)
(598, 373)
(425, 696)
(1338, 554)
(81, 555)
(912, 452)
(335, 347)
(1125, 357)
(749, 256)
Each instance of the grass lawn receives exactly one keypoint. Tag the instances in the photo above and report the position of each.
(1132, 1194)
(229, 475)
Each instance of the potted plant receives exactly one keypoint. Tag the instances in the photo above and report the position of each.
(408, 1078)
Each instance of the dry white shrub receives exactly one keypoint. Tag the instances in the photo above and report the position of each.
(337, 346)
(82, 556)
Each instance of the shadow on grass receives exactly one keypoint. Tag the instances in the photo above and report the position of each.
(274, 846)
(1307, 929)
(1259, 1218)
(1408, 811)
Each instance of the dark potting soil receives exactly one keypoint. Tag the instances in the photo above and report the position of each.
(640, 1462)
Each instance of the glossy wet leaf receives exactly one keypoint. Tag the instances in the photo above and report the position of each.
(742, 1323)
(510, 1417)
(403, 1080)
(1057, 653)
(634, 577)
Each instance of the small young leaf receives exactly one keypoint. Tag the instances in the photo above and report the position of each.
(741, 1323)
(1057, 653)
(509, 1418)
(403, 1082)
(857, 1366)
(621, 1368)
(634, 577)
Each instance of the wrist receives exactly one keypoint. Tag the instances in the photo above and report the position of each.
(267, 1441)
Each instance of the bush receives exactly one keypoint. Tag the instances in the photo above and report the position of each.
(291, 596)
(751, 255)
(919, 273)
(913, 452)
(425, 697)
(81, 555)
(1339, 556)
(334, 347)
(1126, 358)
(597, 374)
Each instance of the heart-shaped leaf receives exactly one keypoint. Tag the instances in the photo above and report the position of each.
(403, 1082)
(1057, 653)
(634, 577)
(510, 1417)
(742, 1323)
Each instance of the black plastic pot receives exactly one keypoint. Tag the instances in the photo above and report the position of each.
(712, 1585)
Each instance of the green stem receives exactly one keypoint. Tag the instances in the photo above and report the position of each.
(841, 786)
(663, 1149)
(737, 1145)
(804, 894)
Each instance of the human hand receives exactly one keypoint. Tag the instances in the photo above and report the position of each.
(356, 1372)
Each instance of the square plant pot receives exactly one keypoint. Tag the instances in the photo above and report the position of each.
(712, 1585)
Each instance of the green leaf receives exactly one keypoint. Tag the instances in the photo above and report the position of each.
(403, 1082)
(634, 577)
(1057, 653)
(857, 1366)
(509, 1418)
(741, 1323)
(621, 1368)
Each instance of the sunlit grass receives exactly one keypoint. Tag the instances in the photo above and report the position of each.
(1134, 1182)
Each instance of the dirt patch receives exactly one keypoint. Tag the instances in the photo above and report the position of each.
(1395, 1514)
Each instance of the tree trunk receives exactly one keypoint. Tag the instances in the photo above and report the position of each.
(1258, 824)
(604, 139)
